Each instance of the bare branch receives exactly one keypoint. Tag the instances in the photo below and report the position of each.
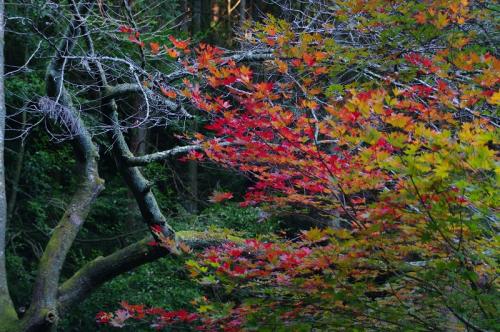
(25, 66)
(162, 155)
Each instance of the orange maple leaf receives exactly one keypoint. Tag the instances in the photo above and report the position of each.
(180, 44)
(218, 197)
(155, 47)
(168, 93)
(171, 52)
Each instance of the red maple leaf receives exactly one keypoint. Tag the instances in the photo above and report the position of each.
(125, 29)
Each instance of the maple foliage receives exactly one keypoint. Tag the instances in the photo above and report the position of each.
(394, 137)
(140, 312)
(218, 197)
(134, 36)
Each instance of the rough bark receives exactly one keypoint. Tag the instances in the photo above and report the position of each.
(43, 309)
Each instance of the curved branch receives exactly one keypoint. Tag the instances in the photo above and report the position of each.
(102, 269)
(95, 273)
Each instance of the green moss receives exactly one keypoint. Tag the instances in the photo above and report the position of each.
(8, 316)
(210, 235)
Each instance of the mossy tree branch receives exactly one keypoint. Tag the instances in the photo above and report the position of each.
(102, 269)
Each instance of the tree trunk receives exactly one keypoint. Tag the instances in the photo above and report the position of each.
(18, 167)
(243, 13)
(185, 16)
(138, 138)
(198, 21)
(206, 15)
(8, 315)
(192, 204)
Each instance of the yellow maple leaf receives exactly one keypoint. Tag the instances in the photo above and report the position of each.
(441, 21)
(314, 234)
(494, 99)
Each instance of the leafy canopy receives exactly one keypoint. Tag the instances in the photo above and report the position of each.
(384, 120)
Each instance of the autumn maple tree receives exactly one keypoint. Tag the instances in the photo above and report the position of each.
(379, 116)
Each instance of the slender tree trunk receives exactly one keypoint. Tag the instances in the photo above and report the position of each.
(243, 13)
(206, 15)
(8, 314)
(16, 176)
(196, 16)
(186, 13)
(229, 23)
(216, 12)
(17, 58)
(138, 138)
(192, 205)
(193, 186)
(201, 15)
(138, 141)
